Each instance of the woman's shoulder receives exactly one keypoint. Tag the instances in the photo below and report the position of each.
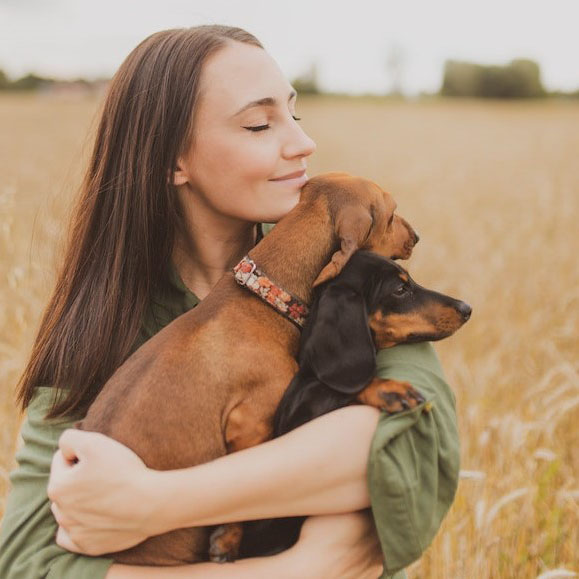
(41, 401)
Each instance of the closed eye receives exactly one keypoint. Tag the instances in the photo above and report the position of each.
(257, 128)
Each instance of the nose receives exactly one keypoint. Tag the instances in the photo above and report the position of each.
(298, 143)
(465, 310)
(414, 237)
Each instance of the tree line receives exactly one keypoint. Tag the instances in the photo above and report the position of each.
(519, 79)
(34, 82)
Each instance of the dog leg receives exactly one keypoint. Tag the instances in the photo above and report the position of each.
(224, 542)
(390, 395)
(244, 429)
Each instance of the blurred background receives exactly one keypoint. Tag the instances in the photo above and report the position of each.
(468, 113)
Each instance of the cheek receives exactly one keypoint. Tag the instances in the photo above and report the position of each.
(238, 163)
(233, 176)
(256, 162)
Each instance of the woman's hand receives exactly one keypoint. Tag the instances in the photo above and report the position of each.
(100, 492)
(337, 547)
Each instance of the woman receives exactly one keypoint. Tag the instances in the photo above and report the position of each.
(197, 146)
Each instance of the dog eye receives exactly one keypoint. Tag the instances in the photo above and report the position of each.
(400, 290)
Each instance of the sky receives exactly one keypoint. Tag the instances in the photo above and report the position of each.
(349, 42)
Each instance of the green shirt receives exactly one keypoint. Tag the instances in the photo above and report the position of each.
(412, 467)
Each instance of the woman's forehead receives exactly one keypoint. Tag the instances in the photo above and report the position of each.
(240, 74)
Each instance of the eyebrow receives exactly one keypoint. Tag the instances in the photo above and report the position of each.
(264, 102)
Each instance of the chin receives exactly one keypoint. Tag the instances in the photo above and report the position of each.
(274, 213)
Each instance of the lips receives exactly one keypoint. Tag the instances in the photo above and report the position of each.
(294, 175)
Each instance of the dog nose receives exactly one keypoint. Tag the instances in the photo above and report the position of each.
(465, 310)
(416, 238)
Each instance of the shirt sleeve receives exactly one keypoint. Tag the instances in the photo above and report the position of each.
(27, 538)
(414, 458)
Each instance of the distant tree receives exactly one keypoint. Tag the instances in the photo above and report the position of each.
(307, 82)
(460, 78)
(4, 80)
(519, 79)
(29, 82)
(526, 78)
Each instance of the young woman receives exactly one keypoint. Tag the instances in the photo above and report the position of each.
(198, 145)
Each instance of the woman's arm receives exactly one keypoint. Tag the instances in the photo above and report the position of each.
(110, 501)
(279, 566)
(330, 546)
(412, 474)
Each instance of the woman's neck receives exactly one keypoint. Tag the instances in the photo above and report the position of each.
(207, 245)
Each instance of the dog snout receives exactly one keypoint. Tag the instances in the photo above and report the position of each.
(413, 237)
(465, 310)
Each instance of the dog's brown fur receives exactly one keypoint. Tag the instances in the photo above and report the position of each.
(209, 383)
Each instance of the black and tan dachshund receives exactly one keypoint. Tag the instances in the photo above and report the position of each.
(372, 304)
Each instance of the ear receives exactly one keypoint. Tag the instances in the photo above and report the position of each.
(338, 346)
(179, 175)
(305, 399)
(353, 225)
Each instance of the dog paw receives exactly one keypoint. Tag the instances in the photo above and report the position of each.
(224, 543)
(392, 396)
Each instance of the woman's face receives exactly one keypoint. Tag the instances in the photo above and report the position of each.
(246, 139)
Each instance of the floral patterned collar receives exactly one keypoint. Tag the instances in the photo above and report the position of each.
(247, 275)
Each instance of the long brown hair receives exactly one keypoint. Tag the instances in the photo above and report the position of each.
(124, 226)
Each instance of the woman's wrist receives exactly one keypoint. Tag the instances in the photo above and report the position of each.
(159, 495)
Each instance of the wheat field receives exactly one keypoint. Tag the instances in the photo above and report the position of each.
(493, 190)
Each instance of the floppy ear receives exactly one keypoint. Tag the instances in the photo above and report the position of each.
(338, 348)
(353, 225)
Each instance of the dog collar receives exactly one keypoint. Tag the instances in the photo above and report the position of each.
(289, 306)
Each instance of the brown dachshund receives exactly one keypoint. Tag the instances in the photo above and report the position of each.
(372, 304)
(210, 382)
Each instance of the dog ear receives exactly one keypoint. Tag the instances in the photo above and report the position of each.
(353, 225)
(305, 399)
(338, 347)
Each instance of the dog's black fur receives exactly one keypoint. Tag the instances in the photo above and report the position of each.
(337, 360)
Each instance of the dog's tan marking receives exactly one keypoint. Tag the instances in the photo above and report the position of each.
(390, 395)
(434, 320)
